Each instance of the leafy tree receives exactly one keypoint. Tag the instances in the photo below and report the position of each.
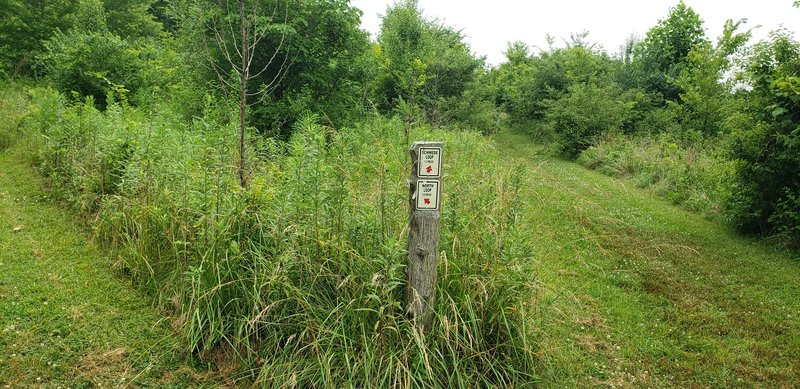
(767, 193)
(662, 55)
(232, 32)
(311, 57)
(587, 111)
(132, 18)
(706, 97)
(330, 65)
(91, 61)
(25, 26)
(532, 83)
(404, 48)
(423, 64)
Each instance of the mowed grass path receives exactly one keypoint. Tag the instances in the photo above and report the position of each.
(635, 292)
(66, 319)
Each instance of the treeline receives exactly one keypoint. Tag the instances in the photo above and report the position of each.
(729, 110)
(672, 92)
(307, 57)
(714, 125)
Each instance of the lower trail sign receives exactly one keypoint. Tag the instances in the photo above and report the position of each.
(428, 195)
(423, 231)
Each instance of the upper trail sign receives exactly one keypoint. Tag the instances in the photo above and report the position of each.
(430, 162)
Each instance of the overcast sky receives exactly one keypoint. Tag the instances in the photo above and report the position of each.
(490, 24)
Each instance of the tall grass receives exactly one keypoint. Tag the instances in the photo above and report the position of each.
(693, 176)
(13, 107)
(297, 281)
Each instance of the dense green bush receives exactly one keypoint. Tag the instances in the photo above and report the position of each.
(424, 69)
(768, 183)
(299, 278)
(587, 112)
(96, 64)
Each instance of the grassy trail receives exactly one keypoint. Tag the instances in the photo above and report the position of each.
(635, 292)
(66, 319)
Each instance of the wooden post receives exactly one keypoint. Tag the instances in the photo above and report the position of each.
(423, 231)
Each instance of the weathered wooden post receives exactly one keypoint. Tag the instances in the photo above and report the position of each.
(423, 231)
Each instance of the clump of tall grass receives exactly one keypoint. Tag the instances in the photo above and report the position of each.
(298, 279)
(695, 176)
(13, 108)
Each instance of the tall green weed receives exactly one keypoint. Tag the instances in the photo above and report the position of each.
(298, 279)
(697, 176)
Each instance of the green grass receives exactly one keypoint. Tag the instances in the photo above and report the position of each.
(66, 319)
(633, 291)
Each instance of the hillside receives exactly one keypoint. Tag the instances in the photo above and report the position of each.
(634, 291)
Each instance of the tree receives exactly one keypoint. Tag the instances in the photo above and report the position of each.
(403, 45)
(132, 18)
(663, 53)
(90, 60)
(766, 197)
(532, 83)
(233, 31)
(424, 64)
(330, 68)
(705, 95)
(25, 26)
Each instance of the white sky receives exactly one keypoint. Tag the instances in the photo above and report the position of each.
(490, 25)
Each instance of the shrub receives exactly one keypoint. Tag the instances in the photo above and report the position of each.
(95, 64)
(584, 114)
(768, 150)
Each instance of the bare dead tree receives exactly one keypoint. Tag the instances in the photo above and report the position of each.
(237, 46)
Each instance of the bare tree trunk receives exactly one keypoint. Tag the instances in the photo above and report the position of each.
(237, 50)
(245, 75)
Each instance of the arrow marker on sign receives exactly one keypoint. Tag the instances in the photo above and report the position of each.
(427, 201)
(429, 169)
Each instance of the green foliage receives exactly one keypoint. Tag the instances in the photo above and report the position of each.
(131, 18)
(707, 99)
(662, 55)
(312, 57)
(529, 83)
(568, 91)
(25, 26)
(584, 114)
(14, 109)
(96, 64)
(425, 65)
(765, 196)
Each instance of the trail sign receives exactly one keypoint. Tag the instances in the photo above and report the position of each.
(425, 189)
(430, 162)
(428, 195)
